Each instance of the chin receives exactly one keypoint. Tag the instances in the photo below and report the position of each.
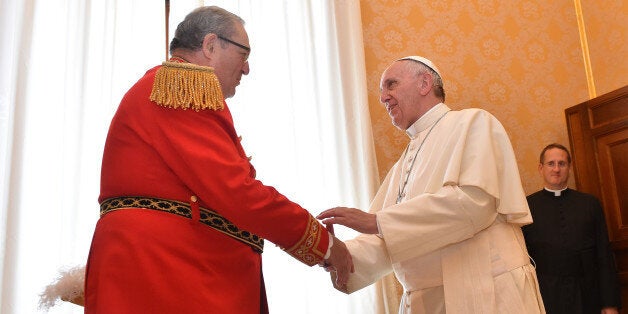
(397, 123)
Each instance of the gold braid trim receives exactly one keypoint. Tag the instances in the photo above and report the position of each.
(207, 216)
(306, 249)
(187, 86)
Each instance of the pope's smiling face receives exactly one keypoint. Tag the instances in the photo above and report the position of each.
(400, 93)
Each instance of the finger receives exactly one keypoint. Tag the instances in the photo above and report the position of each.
(344, 278)
(340, 280)
(343, 274)
(338, 220)
(326, 214)
(330, 221)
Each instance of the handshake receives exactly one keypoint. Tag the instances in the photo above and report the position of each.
(340, 264)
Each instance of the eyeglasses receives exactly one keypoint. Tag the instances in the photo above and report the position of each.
(560, 164)
(248, 49)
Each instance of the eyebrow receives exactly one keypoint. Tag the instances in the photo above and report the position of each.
(388, 82)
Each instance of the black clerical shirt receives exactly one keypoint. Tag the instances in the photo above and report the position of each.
(568, 242)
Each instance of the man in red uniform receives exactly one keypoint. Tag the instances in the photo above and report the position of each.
(182, 215)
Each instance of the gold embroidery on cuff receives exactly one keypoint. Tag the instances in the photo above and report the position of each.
(306, 249)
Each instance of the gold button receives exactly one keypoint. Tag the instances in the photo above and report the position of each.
(193, 198)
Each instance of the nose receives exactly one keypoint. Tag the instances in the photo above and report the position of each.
(384, 97)
(246, 69)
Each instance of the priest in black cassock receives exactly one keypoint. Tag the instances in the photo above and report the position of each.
(569, 243)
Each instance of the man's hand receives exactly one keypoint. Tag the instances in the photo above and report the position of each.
(350, 217)
(339, 264)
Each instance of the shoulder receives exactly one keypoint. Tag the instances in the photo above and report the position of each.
(480, 125)
(582, 195)
(475, 116)
(475, 113)
(584, 198)
(535, 195)
(536, 198)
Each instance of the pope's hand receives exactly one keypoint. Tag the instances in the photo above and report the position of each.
(350, 217)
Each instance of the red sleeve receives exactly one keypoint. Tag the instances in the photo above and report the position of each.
(175, 153)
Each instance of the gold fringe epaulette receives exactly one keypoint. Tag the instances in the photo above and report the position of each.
(187, 86)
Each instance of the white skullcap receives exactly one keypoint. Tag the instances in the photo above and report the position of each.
(424, 61)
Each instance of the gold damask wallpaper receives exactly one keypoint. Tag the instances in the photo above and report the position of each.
(520, 60)
(606, 25)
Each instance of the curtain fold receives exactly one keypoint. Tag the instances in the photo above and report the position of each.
(302, 111)
(307, 93)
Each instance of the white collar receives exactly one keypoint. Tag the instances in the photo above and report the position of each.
(426, 120)
(556, 192)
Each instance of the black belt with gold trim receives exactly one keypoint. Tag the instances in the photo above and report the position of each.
(207, 216)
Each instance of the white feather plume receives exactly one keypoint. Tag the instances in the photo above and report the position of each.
(69, 286)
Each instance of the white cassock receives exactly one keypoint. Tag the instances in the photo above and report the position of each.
(454, 239)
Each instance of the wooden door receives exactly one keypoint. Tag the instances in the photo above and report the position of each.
(598, 135)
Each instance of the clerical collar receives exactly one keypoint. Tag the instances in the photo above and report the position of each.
(427, 120)
(556, 192)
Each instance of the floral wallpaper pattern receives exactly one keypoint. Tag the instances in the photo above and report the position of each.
(520, 60)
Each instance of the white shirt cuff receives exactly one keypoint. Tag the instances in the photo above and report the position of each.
(379, 230)
(331, 242)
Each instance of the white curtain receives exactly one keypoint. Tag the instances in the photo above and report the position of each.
(302, 112)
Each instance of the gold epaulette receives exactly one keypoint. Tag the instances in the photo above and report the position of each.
(187, 86)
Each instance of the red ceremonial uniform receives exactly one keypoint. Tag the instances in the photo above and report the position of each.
(151, 261)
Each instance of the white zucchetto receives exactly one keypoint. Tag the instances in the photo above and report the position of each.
(425, 62)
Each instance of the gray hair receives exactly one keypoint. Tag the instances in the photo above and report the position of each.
(420, 68)
(200, 22)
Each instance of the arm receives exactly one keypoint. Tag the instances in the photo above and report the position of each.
(420, 225)
(430, 222)
(211, 162)
(175, 154)
(424, 223)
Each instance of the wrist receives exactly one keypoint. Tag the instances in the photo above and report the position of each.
(331, 243)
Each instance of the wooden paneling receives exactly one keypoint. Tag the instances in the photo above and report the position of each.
(612, 149)
(598, 134)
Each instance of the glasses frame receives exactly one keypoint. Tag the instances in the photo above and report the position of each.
(248, 49)
(560, 164)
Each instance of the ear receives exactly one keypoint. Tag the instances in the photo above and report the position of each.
(209, 45)
(425, 83)
(541, 169)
